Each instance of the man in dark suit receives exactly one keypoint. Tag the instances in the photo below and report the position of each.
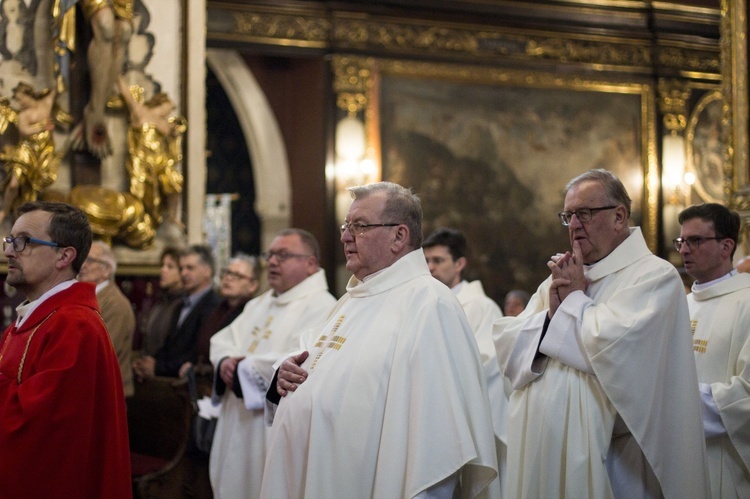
(197, 272)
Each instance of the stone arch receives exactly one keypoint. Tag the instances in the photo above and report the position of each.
(263, 137)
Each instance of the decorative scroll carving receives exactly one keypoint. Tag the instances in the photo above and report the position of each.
(343, 31)
(282, 27)
(351, 82)
(684, 59)
(673, 96)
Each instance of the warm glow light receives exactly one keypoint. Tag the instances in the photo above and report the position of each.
(689, 178)
(673, 160)
(351, 140)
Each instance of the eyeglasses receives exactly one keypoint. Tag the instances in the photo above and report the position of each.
(358, 228)
(583, 214)
(234, 276)
(19, 243)
(282, 256)
(693, 241)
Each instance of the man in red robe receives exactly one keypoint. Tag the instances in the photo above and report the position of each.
(63, 426)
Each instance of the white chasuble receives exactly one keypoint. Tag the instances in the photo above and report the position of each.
(720, 316)
(395, 400)
(268, 327)
(613, 401)
(482, 312)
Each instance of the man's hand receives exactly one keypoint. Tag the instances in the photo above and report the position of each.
(558, 281)
(228, 368)
(290, 374)
(144, 367)
(567, 276)
(572, 270)
(184, 368)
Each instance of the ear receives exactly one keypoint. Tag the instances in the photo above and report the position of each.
(65, 257)
(621, 217)
(727, 245)
(460, 264)
(401, 238)
(312, 266)
(254, 285)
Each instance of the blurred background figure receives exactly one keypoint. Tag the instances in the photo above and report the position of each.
(515, 302)
(239, 283)
(743, 264)
(117, 312)
(158, 321)
(199, 299)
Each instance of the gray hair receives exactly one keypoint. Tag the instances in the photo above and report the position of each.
(613, 188)
(401, 206)
(108, 256)
(251, 262)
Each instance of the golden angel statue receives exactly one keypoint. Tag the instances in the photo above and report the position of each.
(154, 152)
(31, 164)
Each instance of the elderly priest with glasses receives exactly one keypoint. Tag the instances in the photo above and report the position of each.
(389, 397)
(63, 428)
(605, 400)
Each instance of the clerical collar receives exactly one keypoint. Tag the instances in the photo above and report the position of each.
(701, 286)
(25, 309)
(368, 277)
(101, 286)
(457, 288)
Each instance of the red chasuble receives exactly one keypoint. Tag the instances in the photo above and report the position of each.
(63, 425)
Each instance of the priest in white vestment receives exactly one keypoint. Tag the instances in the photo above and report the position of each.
(389, 399)
(720, 316)
(244, 352)
(446, 253)
(605, 400)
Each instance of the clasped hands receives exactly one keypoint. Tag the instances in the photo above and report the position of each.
(567, 276)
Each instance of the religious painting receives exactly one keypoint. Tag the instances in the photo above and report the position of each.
(489, 152)
(705, 148)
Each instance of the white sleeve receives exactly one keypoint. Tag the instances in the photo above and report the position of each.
(713, 426)
(563, 338)
(521, 368)
(253, 385)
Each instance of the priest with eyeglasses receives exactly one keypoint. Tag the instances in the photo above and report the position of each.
(389, 397)
(63, 424)
(605, 401)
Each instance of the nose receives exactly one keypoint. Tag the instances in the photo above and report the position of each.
(346, 236)
(574, 222)
(684, 249)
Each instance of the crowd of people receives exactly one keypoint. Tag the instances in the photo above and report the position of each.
(608, 381)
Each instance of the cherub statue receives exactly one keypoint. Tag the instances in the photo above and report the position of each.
(31, 164)
(154, 151)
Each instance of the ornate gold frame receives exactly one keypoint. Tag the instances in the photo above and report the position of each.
(368, 70)
(734, 51)
(692, 125)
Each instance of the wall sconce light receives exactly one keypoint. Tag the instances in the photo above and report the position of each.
(351, 139)
(352, 164)
(673, 162)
